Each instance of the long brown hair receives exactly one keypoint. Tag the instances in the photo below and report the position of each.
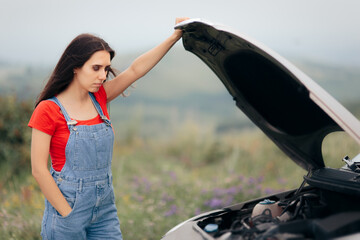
(75, 55)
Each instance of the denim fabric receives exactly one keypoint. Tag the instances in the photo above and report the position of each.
(86, 183)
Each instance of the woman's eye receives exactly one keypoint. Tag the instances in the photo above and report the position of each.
(96, 68)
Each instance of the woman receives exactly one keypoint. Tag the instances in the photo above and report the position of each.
(71, 122)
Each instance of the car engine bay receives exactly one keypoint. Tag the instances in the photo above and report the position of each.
(306, 213)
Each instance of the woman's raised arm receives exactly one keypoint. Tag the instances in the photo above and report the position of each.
(141, 65)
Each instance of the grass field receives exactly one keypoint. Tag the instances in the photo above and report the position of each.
(160, 182)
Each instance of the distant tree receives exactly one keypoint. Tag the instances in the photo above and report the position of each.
(14, 137)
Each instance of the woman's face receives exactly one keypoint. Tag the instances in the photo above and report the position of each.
(93, 73)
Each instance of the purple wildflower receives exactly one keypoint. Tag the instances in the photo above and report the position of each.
(214, 203)
(260, 179)
(232, 190)
(251, 180)
(173, 210)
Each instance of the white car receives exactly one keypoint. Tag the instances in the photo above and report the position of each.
(296, 114)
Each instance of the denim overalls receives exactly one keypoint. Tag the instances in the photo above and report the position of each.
(86, 183)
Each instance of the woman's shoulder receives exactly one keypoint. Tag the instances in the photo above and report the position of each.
(47, 107)
(47, 115)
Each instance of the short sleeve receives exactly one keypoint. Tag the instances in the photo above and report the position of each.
(45, 116)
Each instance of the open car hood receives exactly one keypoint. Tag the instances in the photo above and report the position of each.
(287, 105)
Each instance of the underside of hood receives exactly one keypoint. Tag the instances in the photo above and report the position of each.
(288, 106)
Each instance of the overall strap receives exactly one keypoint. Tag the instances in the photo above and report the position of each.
(69, 121)
(98, 109)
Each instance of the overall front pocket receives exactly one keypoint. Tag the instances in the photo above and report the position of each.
(93, 150)
(71, 195)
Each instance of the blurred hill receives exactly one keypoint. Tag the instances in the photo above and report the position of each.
(180, 89)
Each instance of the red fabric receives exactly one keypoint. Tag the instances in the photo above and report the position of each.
(48, 118)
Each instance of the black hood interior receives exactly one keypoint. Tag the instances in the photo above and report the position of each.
(270, 93)
(281, 101)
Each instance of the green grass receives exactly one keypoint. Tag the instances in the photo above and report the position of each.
(160, 182)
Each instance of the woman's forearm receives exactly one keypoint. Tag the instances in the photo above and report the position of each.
(141, 65)
(144, 63)
(51, 191)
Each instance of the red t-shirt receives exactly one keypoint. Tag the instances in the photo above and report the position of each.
(48, 118)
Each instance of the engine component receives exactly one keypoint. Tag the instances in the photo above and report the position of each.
(269, 205)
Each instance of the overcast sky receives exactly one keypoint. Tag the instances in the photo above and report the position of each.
(38, 31)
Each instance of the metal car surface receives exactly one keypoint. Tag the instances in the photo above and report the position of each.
(296, 114)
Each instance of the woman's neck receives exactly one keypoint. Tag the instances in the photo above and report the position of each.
(75, 94)
(77, 103)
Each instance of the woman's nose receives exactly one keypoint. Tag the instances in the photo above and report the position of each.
(103, 75)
